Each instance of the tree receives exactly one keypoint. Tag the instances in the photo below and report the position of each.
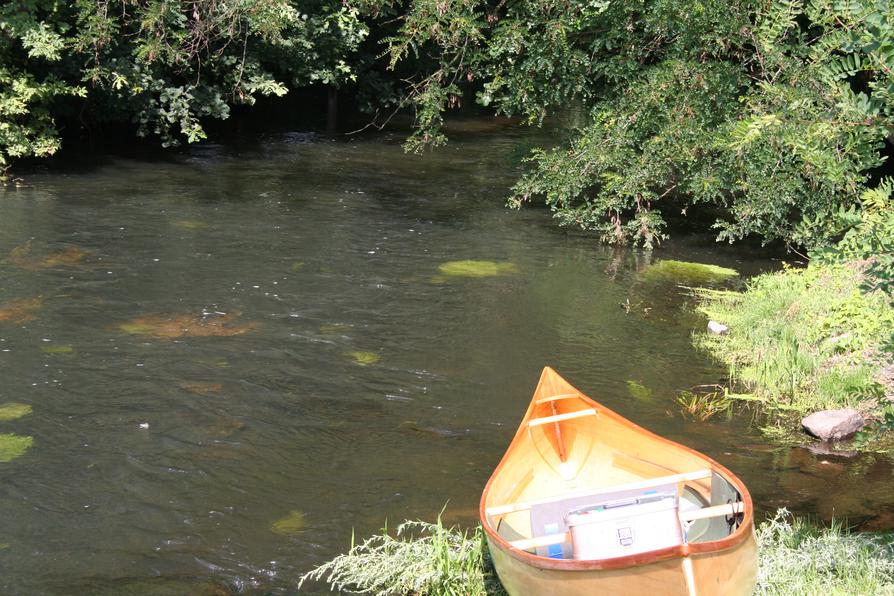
(165, 65)
(775, 112)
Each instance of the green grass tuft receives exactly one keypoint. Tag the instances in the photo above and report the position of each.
(422, 558)
(797, 558)
(704, 402)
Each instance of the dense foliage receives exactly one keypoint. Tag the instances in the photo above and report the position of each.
(164, 65)
(771, 114)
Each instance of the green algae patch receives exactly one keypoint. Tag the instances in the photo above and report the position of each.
(225, 427)
(136, 328)
(364, 358)
(57, 350)
(292, 524)
(686, 273)
(13, 410)
(335, 328)
(476, 269)
(215, 362)
(23, 256)
(638, 392)
(13, 446)
(182, 325)
(201, 387)
(297, 266)
(190, 224)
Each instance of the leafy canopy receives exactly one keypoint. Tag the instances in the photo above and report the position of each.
(767, 114)
(164, 65)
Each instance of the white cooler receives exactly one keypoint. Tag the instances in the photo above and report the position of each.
(625, 527)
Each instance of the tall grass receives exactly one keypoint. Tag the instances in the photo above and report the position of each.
(795, 559)
(799, 559)
(422, 558)
(804, 339)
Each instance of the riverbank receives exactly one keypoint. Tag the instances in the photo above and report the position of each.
(796, 557)
(803, 340)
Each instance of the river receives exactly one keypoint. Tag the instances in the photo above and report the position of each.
(323, 374)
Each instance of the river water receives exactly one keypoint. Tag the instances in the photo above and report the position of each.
(332, 378)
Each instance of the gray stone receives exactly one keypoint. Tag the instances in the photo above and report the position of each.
(833, 425)
(717, 328)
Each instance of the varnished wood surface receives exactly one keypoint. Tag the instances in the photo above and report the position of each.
(575, 452)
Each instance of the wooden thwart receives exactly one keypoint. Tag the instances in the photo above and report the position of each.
(715, 511)
(561, 417)
(544, 400)
(647, 483)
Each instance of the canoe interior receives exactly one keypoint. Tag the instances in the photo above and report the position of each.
(570, 453)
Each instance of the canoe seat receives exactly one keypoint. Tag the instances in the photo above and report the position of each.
(558, 397)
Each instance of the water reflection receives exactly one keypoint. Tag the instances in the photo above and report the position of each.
(171, 434)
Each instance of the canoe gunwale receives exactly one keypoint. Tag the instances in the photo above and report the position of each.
(743, 532)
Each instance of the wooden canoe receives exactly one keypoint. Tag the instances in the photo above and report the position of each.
(586, 502)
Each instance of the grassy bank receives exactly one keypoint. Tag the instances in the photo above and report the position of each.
(802, 340)
(421, 558)
(796, 558)
(799, 558)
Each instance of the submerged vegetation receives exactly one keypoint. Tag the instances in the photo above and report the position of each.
(802, 340)
(363, 358)
(638, 391)
(292, 524)
(55, 350)
(13, 446)
(24, 256)
(20, 310)
(201, 387)
(469, 268)
(177, 326)
(692, 274)
(13, 411)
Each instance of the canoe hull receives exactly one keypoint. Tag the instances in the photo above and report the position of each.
(572, 454)
(732, 572)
